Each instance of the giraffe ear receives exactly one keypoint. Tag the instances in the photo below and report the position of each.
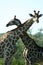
(31, 15)
(40, 15)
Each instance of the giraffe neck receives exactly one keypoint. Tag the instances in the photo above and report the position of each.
(26, 39)
(28, 24)
(25, 26)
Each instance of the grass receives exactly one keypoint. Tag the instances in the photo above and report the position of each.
(1, 61)
(15, 62)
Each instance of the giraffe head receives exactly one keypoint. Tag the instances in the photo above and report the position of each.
(36, 16)
(14, 22)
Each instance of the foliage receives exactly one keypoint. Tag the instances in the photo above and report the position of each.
(38, 37)
(1, 61)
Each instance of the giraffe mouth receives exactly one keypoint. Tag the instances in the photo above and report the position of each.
(7, 25)
(37, 21)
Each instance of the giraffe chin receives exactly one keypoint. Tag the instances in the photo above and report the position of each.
(37, 21)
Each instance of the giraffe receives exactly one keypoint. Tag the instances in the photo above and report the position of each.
(7, 44)
(32, 52)
(25, 50)
(5, 35)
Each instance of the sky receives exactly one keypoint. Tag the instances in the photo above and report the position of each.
(20, 8)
